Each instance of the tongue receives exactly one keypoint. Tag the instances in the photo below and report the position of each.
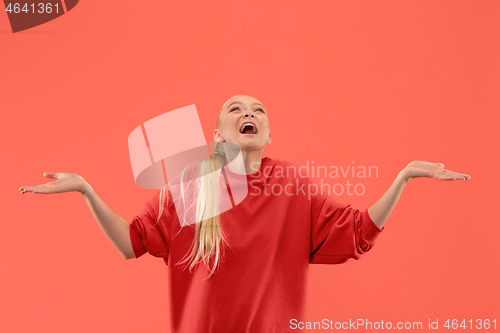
(248, 130)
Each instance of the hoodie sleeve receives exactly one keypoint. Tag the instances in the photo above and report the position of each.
(146, 234)
(339, 231)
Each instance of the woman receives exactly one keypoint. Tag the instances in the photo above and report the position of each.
(245, 269)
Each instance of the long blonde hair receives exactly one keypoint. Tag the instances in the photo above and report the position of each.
(208, 235)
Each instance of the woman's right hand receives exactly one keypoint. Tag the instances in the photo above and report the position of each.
(65, 182)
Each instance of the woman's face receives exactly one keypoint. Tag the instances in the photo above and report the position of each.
(235, 113)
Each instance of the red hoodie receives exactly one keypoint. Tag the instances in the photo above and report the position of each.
(260, 285)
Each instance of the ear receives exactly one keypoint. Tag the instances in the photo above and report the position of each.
(217, 136)
(269, 139)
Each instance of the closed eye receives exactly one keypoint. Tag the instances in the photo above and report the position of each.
(235, 108)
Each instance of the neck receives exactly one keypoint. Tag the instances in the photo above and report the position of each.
(252, 160)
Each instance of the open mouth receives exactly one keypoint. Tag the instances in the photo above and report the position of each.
(248, 128)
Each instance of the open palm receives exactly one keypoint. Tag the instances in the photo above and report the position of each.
(433, 170)
(66, 182)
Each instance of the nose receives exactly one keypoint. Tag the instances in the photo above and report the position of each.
(251, 116)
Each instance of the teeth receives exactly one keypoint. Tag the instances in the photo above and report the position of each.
(249, 124)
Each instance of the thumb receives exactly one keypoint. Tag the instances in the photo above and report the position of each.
(440, 164)
(51, 175)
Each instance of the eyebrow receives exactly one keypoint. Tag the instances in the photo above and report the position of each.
(242, 103)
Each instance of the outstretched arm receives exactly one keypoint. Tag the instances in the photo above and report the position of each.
(116, 229)
(380, 211)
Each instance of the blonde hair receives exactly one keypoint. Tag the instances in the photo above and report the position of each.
(208, 237)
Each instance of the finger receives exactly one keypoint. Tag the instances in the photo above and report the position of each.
(448, 175)
(25, 189)
(458, 175)
(443, 176)
(53, 175)
(462, 176)
(37, 190)
(435, 164)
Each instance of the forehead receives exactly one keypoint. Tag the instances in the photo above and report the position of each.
(241, 99)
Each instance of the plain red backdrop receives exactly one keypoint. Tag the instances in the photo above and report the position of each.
(375, 82)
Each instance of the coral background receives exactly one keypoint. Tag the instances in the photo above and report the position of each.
(375, 82)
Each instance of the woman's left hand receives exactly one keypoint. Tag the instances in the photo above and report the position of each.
(432, 170)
